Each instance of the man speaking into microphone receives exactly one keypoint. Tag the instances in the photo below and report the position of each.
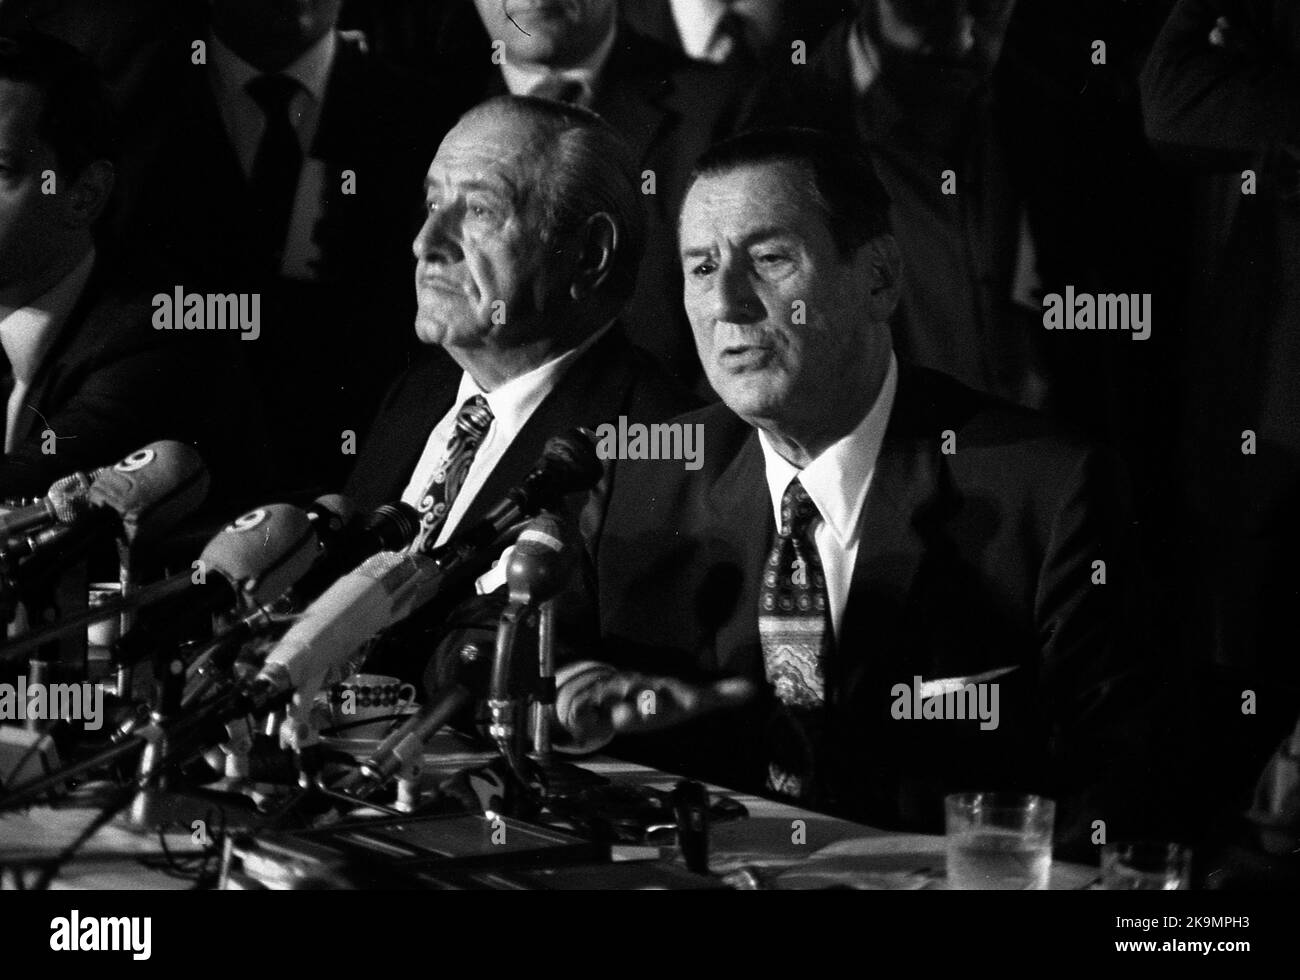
(864, 536)
(529, 250)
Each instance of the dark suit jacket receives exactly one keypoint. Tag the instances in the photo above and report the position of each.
(327, 347)
(968, 562)
(612, 379)
(111, 384)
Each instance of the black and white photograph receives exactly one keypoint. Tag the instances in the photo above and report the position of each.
(597, 446)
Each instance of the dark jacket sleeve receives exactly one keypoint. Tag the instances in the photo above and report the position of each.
(1223, 105)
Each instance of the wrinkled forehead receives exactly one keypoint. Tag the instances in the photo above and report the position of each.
(776, 197)
(491, 147)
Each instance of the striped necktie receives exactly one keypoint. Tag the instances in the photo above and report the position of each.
(472, 423)
(795, 631)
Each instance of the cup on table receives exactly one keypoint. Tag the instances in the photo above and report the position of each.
(999, 841)
(103, 632)
(368, 705)
(1145, 866)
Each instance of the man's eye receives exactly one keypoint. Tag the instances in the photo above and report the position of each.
(772, 258)
(703, 269)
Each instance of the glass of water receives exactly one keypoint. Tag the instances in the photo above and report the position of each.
(1145, 866)
(999, 841)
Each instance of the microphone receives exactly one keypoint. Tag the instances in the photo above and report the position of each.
(387, 528)
(538, 570)
(255, 557)
(389, 586)
(405, 747)
(66, 500)
(149, 491)
(330, 515)
(153, 489)
(569, 464)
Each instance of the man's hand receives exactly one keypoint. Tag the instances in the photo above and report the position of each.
(616, 703)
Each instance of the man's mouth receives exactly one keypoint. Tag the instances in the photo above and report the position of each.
(742, 356)
(439, 284)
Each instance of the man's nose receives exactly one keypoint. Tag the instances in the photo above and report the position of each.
(735, 300)
(437, 241)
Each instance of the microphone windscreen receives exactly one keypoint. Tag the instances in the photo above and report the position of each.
(153, 489)
(542, 536)
(266, 550)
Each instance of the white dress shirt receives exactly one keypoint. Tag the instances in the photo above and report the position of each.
(524, 79)
(697, 24)
(245, 122)
(28, 333)
(512, 404)
(837, 481)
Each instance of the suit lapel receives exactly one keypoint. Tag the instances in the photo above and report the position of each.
(589, 393)
(68, 344)
(904, 490)
(741, 508)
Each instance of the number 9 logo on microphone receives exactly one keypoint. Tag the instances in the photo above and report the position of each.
(246, 522)
(138, 460)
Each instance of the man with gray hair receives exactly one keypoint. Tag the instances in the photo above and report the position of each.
(528, 252)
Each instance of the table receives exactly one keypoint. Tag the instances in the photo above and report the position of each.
(783, 846)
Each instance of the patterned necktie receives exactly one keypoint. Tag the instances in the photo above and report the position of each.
(278, 162)
(795, 630)
(472, 423)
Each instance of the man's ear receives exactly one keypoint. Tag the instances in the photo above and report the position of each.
(88, 196)
(882, 266)
(598, 242)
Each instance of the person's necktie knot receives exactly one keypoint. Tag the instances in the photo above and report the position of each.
(472, 424)
(797, 511)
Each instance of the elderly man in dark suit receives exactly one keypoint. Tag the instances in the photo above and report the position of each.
(863, 537)
(527, 255)
(666, 106)
(86, 379)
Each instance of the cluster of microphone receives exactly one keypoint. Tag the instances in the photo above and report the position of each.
(339, 578)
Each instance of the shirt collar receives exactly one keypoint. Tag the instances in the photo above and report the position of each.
(839, 478)
(521, 79)
(28, 333)
(864, 59)
(311, 69)
(517, 399)
(697, 21)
